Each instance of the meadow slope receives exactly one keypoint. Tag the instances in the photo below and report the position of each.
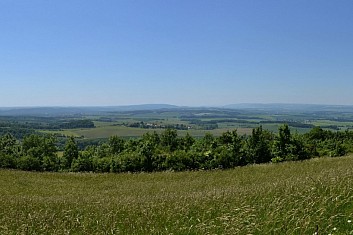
(288, 198)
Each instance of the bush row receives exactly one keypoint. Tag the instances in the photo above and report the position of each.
(168, 151)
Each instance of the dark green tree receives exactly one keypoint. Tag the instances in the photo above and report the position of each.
(231, 150)
(258, 146)
(10, 150)
(39, 153)
(284, 139)
(116, 144)
(147, 151)
(9, 145)
(83, 162)
(153, 138)
(71, 152)
(317, 134)
(208, 142)
(187, 141)
(38, 146)
(169, 139)
(288, 147)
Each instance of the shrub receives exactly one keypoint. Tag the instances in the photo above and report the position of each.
(82, 163)
(6, 161)
(178, 161)
(29, 163)
(50, 163)
(101, 164)
(131, 161)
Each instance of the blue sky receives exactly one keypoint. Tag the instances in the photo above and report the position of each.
(183, 52)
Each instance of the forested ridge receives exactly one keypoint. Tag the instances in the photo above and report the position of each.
(168, 151)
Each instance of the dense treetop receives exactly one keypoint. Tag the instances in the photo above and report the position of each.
(168, 151)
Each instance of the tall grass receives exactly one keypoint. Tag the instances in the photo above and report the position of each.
(289, 198)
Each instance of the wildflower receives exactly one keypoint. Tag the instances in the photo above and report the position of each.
(334, 229)
(349, 221)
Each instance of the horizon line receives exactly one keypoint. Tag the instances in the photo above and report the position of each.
(166, 104)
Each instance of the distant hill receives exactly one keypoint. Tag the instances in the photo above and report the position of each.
(64, 111)
(101, 110)
(291, 107)
(142, 107)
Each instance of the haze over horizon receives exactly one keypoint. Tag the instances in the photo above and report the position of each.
(167, 106)
(186, 53)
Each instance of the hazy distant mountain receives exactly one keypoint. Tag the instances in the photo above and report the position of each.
(42, 111)
(59, 111)
(291, 107)
(101, 110)
(142, 107)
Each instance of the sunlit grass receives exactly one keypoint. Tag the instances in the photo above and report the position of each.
(288, 198)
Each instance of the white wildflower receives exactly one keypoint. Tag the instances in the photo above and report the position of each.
(349, 221)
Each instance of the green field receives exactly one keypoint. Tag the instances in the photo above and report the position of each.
(96, 125)
(106, 131)
(289, 198)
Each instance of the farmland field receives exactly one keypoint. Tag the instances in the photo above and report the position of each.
(289, 198)
(109, 130)
(100, 123)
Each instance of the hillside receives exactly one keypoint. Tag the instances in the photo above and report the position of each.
(289, 198)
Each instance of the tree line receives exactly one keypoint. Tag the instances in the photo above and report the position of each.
(168, 151)
(146, 125)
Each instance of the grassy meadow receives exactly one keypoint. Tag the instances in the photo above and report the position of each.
(288, 198)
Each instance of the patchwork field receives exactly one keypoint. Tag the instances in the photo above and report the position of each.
(91, 124)
(106, 131)
(289, 198)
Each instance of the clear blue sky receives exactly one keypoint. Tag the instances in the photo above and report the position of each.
(183, 52)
